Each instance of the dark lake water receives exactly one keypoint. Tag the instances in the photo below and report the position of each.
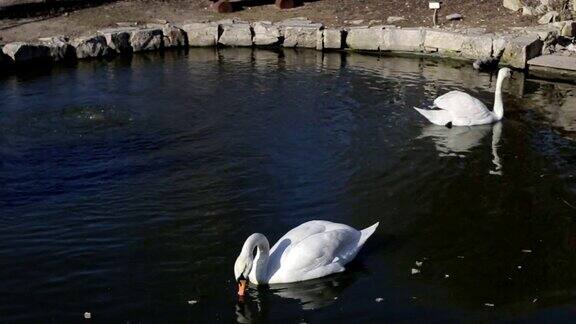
(128, 187)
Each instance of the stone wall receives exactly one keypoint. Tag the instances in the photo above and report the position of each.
(513, 49)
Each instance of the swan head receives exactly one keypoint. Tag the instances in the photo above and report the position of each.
(505, 73)
(243, 266)
(253, 260)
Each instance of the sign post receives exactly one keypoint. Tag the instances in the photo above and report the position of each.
(434, 4)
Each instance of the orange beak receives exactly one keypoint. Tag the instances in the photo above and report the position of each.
(242, 285)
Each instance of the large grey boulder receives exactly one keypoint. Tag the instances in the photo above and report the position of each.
(477, 46)
(403, 39)
(59, 47)
(529, 11)
(549, 17)
(443, 41)
(118, 39)
(304, 35)
(513, 5)
(21, 52)
(518, 50)
(394, 19)
(147, 39)
(266, 33)
(569, 29)
(365, 38)
(201, 34)
(173, 36)
(454, 16)
(332, 38)
(90, 46)
(236, 34)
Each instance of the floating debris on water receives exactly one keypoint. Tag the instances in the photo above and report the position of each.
(526, 251)
(460, 257)
(534, 300)
(418, 263)
(192, 302)
(519, 267)
(415, 271)
(87, 315)
(446, 276)
(379, 300)
(489, 304)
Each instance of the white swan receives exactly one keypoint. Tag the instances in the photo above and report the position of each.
(312, 250)
(457, 108)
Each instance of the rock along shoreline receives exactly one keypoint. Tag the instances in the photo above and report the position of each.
(514, 48)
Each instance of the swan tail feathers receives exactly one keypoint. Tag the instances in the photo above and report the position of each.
(366, 233)
(437, 117)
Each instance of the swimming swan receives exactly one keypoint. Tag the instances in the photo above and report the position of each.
(312, 250)
(457, 108)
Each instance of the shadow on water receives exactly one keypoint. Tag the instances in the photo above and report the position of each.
(129, 185)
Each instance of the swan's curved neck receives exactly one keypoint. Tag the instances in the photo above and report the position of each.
(498, 104)
(260, 261)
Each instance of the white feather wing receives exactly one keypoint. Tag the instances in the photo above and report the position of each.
(464, 108)
(312, 250)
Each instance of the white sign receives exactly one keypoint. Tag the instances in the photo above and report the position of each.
(434, 5)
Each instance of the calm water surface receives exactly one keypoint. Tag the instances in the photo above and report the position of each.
(128, 187)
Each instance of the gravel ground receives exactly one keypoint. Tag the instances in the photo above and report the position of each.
(487, 14)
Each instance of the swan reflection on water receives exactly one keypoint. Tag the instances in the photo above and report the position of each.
(311, 295)
(457, 141)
